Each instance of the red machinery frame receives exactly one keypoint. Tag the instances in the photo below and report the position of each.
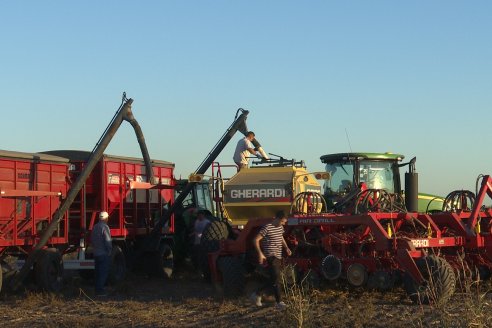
(382, 241)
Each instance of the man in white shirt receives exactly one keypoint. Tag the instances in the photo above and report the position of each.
(243, 149)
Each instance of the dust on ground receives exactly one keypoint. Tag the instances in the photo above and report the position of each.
(188, 301)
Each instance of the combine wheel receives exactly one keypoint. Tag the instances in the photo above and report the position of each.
(357, 275)
(232, 275)
(210, 242)
(331, 267)
(49, 270)
(439, 284)
(117, 269)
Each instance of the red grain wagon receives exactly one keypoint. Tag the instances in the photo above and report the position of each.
(119, 186)
(31, 189)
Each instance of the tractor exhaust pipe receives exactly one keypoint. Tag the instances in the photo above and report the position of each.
(412, 187)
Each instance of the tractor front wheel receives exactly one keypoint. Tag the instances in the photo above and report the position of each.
(210, 242)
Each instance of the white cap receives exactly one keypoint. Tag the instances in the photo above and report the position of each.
(103, 215)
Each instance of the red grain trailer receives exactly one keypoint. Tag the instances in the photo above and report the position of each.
(31, 189)
(119, 185)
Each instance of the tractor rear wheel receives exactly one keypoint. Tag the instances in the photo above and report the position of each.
(210, 242)
(439, 281)
(49, 270)
(117, 269)
(232, 271)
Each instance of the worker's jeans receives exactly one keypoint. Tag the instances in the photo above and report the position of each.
(102, 263)
(273, 282)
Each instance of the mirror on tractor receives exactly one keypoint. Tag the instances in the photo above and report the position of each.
(195, 177)
(322, 175)
(317, 175)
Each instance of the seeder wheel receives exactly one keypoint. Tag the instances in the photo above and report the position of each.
(439, 281)
(357, 275)
(331, 267)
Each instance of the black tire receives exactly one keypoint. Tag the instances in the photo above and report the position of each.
(49, 270)
(117, 269)
(232, 271)
(164, 261)
(210, 242)
(439, 281)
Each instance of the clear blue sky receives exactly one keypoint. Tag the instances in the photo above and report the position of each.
(409, 77)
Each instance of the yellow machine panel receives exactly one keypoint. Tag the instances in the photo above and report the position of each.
(260, 192)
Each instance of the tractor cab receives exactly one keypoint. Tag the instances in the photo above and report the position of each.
(352, 173)
(199, 196)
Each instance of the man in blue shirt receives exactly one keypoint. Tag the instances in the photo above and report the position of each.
(102, 247)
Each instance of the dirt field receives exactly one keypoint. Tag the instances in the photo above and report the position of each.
(188, 301)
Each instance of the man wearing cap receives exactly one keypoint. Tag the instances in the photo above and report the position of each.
(102, 246)
(243, 149)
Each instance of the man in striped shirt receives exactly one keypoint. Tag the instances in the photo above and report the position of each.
(269, 244)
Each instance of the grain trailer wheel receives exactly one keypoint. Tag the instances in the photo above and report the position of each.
(439, 281)
(49, 270)
(232, 271)
(210, 242)
(117, 268)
